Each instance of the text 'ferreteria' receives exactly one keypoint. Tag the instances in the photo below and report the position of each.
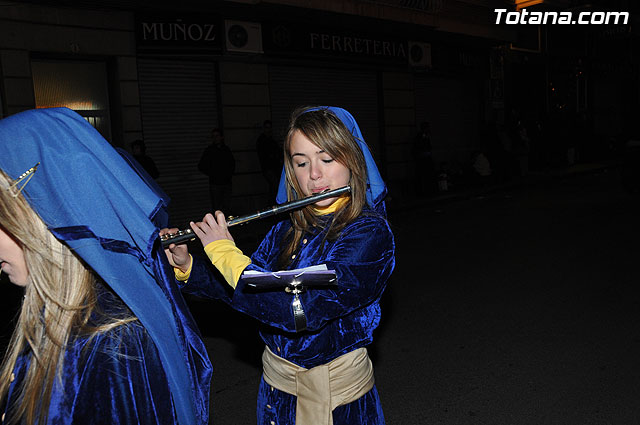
(348, 44)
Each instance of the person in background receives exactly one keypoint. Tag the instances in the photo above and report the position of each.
(139, 152)
(218, 163)
(481, 168)
(103, 335)
(316, 369)
(425, 177)
(270, 156)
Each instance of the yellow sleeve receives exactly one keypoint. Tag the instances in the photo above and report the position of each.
(228, 259)
(183, 276)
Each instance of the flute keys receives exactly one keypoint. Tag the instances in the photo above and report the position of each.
(186, 232)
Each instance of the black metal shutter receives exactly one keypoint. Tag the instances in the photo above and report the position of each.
(355, 91)
(452, 107)
(179, 108)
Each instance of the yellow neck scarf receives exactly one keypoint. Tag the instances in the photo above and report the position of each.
(335, 206)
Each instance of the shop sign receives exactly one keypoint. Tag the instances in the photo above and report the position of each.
(289, 38)
(165, 33)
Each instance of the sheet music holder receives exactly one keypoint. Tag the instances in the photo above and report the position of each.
(308, 277)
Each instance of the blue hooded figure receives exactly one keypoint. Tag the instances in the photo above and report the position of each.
(104, 335)
(316, 369)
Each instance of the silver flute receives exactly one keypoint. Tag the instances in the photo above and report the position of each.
(187, 235)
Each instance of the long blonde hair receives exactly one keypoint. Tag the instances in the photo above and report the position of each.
(329, 133)
(60, 297)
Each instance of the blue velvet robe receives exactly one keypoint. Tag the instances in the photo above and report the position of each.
(339, 320)
(116, 377)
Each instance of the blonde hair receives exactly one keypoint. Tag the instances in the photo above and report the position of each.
(60, 297)
(329, 133)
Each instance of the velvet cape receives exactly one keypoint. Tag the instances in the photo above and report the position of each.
(115, 377)
(109, 213)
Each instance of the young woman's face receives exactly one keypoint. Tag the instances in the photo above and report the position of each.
(315, 170)
(12, 259)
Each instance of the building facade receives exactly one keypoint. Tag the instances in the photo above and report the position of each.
(171, 75)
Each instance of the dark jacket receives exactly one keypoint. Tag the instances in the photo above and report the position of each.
(218, 163)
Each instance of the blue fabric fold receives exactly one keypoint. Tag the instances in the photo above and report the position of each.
(98, 386)
(109, 213)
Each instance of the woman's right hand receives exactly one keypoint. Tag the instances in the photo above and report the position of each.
(178, 255)
(211, 228)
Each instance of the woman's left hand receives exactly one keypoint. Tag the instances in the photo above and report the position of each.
(211, 228)
(178, 255)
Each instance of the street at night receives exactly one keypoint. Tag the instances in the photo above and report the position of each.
(495, 142)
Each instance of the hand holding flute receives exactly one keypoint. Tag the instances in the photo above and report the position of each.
(210, 229)
(175, 237)
(177, 254)
(213, 228)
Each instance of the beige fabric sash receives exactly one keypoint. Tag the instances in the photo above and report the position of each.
(321, 389)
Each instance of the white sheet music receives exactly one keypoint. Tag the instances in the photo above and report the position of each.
(318, 267)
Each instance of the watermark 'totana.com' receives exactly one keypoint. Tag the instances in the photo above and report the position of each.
(562, 18)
